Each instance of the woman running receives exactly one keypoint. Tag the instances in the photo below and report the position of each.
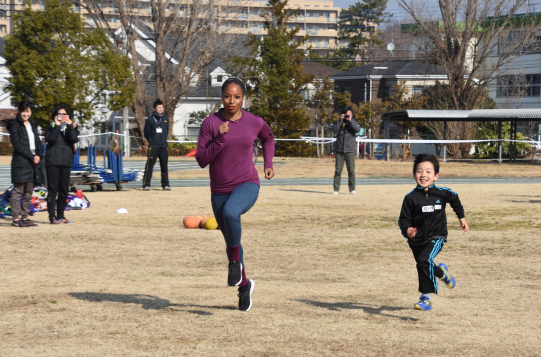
(226, 144)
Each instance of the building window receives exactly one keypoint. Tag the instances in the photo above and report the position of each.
(519, 86)
(3, 29)
(509, 44)
(219, 78)
(418, 89)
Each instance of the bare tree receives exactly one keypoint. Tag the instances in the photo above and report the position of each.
(321, 108)
(187, 36)
(472, 40)
(390, 32)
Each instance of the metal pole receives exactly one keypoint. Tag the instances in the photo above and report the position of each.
(365, 90)
(364, 151)
(126, 120)
(444, 138)
(387, 137)
(500, 141)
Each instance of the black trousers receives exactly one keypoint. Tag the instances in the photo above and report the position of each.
(58, 182)
(41, 173)
(426, 269)
(153, 155)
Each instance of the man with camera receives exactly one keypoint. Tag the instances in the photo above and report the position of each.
(345, 148)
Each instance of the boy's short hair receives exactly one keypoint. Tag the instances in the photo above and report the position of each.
(343, 111)
(156, 103)
(424, 158)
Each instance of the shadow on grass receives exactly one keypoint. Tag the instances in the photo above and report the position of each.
(147, 302)
(529, 201)
(323, 192)
(372, 310)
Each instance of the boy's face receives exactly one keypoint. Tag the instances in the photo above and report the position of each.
(159, 109)
(424, 174)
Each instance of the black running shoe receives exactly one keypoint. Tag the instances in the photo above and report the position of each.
(29, 223)
(234, 277)
(245, 296)
(18, 224)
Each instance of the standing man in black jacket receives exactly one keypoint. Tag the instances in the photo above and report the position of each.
(156, 131)
(346, 148)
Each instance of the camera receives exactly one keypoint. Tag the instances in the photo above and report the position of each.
(346, 117)
(62, 117)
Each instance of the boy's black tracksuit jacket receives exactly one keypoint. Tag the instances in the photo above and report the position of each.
(425, 210)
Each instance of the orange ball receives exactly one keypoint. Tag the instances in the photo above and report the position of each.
(191, 222)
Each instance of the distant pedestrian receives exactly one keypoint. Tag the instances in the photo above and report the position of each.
(156, 131)
(61, 137)
(27, 153)
(226, 144)
(345, 148)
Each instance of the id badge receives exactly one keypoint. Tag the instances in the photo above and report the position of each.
(159, 130)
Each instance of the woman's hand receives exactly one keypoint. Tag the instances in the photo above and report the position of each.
(36, 159)
(224, 128)
(269, 173)
(74, 124)
(57, 121)
(68, 121)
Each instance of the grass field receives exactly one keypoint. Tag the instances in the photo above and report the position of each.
(310, 168)
(333, 277)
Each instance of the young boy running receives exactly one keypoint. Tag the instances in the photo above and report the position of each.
(424, 224)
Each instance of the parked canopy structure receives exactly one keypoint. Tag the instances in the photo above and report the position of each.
(499, 115)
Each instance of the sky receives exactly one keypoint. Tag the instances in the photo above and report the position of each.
(392, 7)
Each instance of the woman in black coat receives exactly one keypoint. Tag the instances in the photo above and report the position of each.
(61, 136)
(27, 152)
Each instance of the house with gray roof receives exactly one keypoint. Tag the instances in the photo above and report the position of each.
(374, 82)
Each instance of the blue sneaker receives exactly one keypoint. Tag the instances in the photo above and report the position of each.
(447, 278)
(424, 303)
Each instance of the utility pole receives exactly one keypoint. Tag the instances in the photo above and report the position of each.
(126, 121)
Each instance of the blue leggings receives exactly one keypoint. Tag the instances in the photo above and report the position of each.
(228, 208)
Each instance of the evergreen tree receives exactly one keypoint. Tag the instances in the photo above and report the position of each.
(275, 78)
(357, 24)
(53, 59)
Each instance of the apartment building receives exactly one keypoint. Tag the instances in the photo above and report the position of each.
(316, 18)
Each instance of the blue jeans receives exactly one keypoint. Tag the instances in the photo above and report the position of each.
(228, 208)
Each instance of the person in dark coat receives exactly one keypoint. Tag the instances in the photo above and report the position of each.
(156, 131)
(27, 153)
(61, 137)
(346, 130)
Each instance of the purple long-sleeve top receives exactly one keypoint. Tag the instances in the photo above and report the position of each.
(230, 155)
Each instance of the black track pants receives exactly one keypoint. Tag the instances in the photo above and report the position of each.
(153, 155)
(426, 269)
(58, 182)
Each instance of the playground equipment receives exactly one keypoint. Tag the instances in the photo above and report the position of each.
(91, 174)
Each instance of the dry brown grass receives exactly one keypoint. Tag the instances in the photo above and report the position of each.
(333, 278)
(310, 168)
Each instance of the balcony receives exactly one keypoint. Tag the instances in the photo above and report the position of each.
(320, 19)
(311, 32)
(242, 16)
